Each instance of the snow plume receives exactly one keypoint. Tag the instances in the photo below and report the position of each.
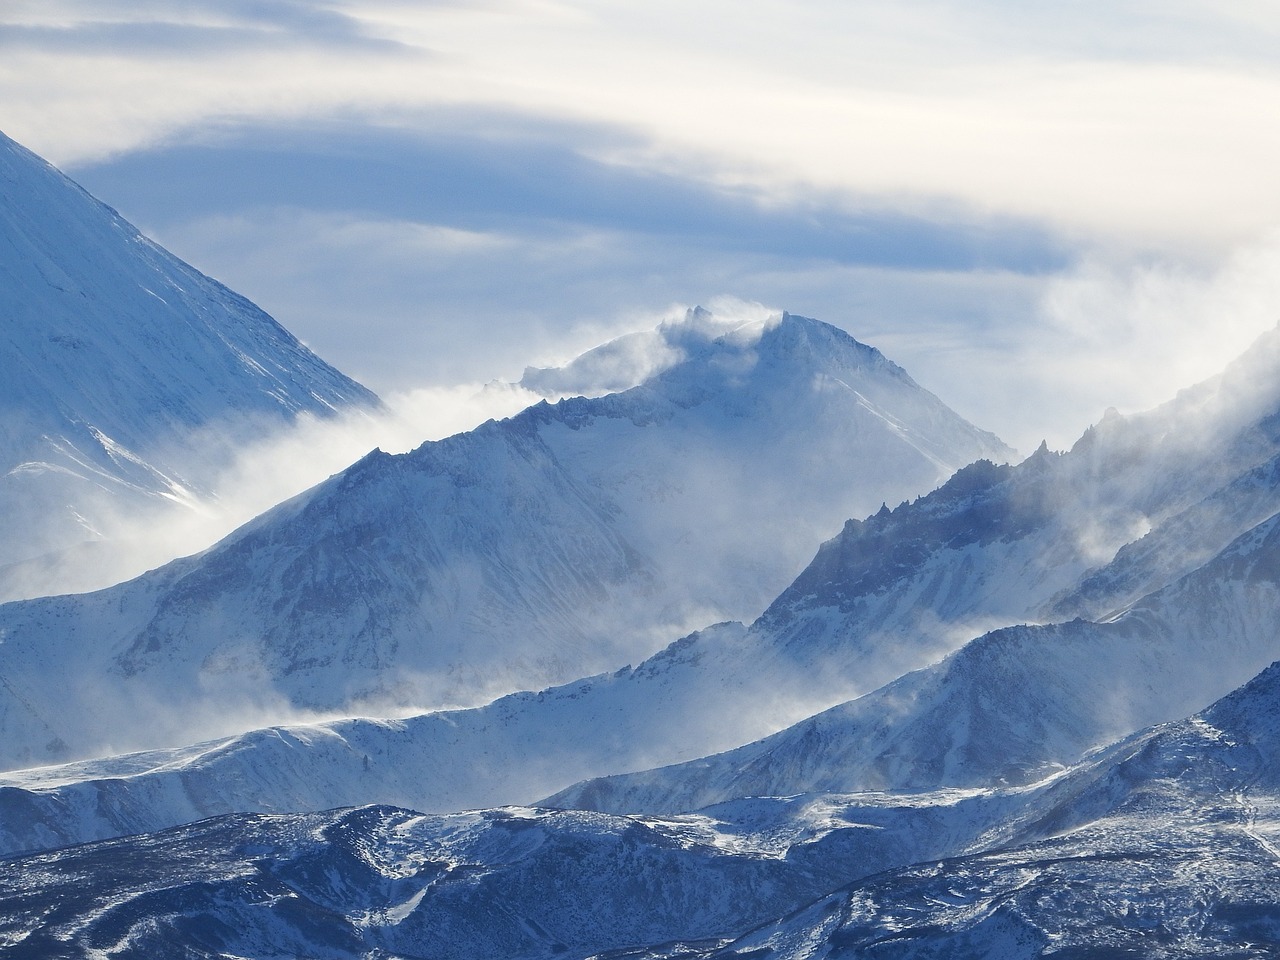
(793, 689)
(223, 485)
(1139, 333)
(627, 360)
(136, 534)
(141, 717)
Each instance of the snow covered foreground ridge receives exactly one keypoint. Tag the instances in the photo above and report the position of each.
(1161, 846)
(127, 377)
(1165, 846)
(570, 538)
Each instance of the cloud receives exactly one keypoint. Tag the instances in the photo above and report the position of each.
(509, 183)
(496, 172)
(1015, 340)
(1104, 333)
(1156, 327)
(628, 360)
(142, 27)
(485, 246)
(1078, 118)
(139, 535)
(399, 304)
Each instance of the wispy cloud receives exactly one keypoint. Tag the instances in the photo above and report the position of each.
(211, 25)
(1030, 355)
(1106, 332)
(493, 171)
(416, 257)
(445, 192)
(1112, 121)
(285, 461)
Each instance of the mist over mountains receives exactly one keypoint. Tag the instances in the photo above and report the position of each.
(889, 595)
(819, 672)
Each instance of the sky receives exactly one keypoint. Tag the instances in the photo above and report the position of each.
(1040, 210)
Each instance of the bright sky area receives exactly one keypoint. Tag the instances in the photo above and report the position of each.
(1039, 209)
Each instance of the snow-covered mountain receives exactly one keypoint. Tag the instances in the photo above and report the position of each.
(773, 433)
(1162, 845)
(887, 595)
(1009, 707)
(987, 834)
(127, 377)
(996, 635)
(1165, 846)
(567, 539)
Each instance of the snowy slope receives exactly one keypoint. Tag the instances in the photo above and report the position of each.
(708, 692)
(1137, 503)
(515, 749)
(565, 540)
(1166, 846)
(1010, 706)
(1162, 845)
(1137, 887)
(126, 376)
(772, 435)
(889, 594)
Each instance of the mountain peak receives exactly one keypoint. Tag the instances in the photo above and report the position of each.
(563, 540)
(113, 352)
(702, 340)
(1251, 712)
(804, 336)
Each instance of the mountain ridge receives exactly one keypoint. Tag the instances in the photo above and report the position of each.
(1161, 845)
(1009, 707)
(888, 595)
(559, 542)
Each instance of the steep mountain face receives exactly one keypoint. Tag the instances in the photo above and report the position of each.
(1136, 504)
(567, 539)
(127, 377)
(791, 423)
